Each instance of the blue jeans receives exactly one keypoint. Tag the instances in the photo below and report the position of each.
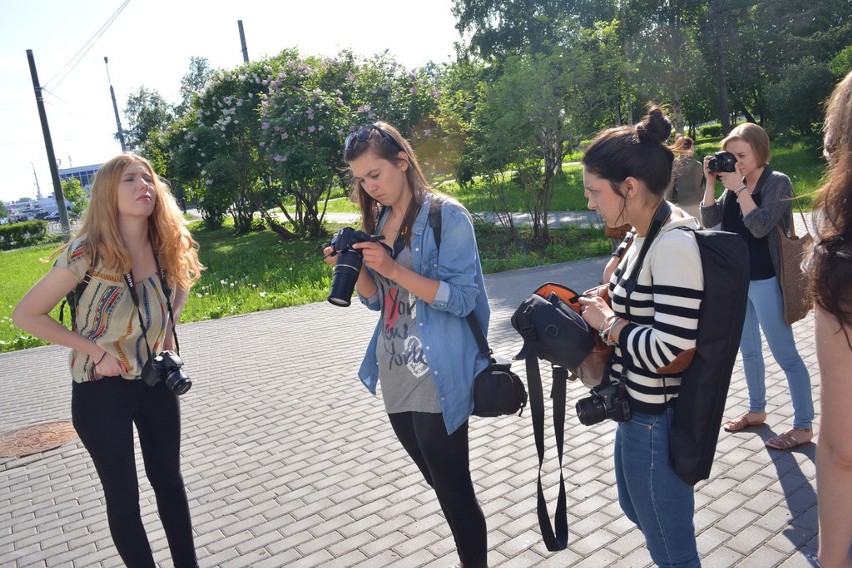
(650, 492)
(765, 311)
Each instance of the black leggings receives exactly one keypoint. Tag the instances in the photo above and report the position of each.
(104, 413)
(444, 461)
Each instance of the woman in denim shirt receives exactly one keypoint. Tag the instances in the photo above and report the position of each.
(422, 348)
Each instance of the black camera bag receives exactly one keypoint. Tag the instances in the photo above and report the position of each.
(553, 330)
(497, 391)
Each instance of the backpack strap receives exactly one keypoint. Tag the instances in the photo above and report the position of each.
(435, 223)
(72, 298)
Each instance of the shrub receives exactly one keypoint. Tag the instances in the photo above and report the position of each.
(17, 235)
(710, 130)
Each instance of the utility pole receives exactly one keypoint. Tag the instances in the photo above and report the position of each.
(119, 132)
(243, 41)
(48, 144)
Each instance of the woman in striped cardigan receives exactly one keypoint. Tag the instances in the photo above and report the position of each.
(626, 171)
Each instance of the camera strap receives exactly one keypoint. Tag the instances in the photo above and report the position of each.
(131, 286)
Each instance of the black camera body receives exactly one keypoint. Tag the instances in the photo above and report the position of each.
(167, 367)
(608, 400)
(348, 265)
(722, 162)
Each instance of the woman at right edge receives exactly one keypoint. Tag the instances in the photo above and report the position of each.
(756, 200)
(830, 272)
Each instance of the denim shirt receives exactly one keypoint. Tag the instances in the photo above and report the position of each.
(451, 350)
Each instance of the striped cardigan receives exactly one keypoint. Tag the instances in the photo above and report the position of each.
(663, 314)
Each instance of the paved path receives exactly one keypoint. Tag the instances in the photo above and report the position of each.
(290, 462)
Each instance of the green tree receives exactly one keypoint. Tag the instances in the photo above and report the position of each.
(147, 112)
(193, 81)
(500, 28)
(541, 107)
(3, 211)
(73, 192)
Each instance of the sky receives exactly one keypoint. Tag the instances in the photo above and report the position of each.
(150, 42)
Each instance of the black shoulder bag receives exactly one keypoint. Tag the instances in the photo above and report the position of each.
(497, 391)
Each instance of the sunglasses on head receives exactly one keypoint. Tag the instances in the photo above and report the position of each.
(363, 134)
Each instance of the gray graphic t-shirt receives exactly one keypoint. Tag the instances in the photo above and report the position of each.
(404, 375)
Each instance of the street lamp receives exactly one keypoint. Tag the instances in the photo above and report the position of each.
(120, 132)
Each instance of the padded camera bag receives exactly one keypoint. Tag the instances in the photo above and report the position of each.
(497, 391)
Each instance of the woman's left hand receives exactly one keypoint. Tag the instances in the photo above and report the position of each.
(595, 311)
(377, 257)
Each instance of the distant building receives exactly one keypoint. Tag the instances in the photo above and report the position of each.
(86, 175)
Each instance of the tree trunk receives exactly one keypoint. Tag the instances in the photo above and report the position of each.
(718, 24)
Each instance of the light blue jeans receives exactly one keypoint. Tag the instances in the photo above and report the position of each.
(765, 311)
(650, 492)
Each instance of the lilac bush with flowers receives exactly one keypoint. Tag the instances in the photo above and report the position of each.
(268, 135)
(312, 105)
(219, 147)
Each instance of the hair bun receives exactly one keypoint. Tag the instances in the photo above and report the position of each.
(655, 126)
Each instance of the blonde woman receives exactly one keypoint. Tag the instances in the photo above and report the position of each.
(131, 240)
(756, 200)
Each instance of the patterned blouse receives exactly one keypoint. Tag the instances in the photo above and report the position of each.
(106, 314)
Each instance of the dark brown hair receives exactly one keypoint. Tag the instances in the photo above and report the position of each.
(831, 261)
(634, 151)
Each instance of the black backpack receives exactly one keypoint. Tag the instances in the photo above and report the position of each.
(704, 383)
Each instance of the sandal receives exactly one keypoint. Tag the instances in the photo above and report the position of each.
(743, 422)
(790, 439)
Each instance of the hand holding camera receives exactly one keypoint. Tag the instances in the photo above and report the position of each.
(349, 262)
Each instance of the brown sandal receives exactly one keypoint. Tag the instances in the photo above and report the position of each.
(743, 422)
(790, 439)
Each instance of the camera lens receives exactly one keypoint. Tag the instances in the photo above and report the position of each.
(345, 275)
(178, 381)
(591, 410)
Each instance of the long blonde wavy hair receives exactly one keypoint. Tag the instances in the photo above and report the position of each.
(177, 250)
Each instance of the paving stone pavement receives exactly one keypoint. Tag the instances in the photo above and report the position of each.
(289, 461)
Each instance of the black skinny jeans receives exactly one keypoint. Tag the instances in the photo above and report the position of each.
(444, 461)
(104, 413)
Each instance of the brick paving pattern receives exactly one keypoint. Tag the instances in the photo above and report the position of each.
(289, 461)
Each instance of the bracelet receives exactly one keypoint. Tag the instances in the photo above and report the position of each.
(606, 336)
(737, 192)
(101, 359)
(606, 323)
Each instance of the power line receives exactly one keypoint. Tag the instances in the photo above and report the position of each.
(85, 49)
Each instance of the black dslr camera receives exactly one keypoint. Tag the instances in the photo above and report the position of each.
(166, 367)
(722, 162)
(349, 264)
(608, 400)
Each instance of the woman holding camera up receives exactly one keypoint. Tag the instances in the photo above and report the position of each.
(626, 171)
(756, 200)
(422, 349)
(132, 235)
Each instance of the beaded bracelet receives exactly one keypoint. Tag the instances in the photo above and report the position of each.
(607, 337)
